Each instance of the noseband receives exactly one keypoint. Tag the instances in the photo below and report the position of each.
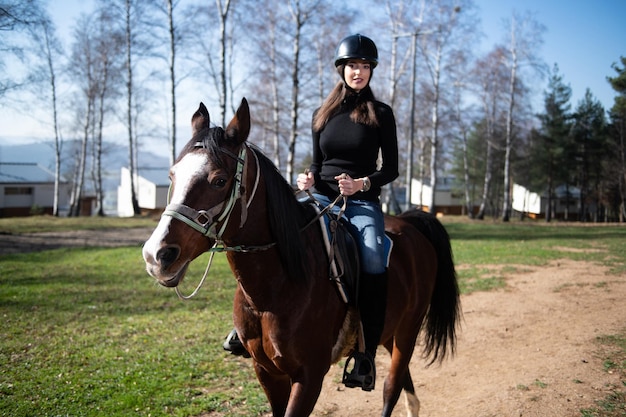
(204, 221)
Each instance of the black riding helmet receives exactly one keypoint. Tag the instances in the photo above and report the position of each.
(356, 47)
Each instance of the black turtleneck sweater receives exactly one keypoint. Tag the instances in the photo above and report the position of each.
(344, 146)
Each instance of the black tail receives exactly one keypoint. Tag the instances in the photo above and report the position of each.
(445, 306)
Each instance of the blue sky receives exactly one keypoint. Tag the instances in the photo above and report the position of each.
(584, 37)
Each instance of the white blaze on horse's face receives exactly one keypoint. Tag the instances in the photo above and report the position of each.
(189, 170)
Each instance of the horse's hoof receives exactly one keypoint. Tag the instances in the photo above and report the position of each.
(233, 345)
(362, 374)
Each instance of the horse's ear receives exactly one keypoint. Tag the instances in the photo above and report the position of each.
(239, 128)
(200, 119)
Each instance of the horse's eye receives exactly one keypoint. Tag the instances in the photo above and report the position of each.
(220, 182)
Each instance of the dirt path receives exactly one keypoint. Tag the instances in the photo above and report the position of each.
(34, 242)
(527, 350)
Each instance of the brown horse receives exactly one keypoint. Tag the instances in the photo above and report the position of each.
(227, 196)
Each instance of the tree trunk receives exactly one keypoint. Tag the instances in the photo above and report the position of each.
(506, 205)
(82, 162)
(55, 121)
(434, 150)
(129, 111)
(295, 93)
(172, 68)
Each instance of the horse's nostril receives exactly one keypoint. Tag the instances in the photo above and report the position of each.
(167, 255)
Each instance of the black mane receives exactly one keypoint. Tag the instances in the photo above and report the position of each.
(287, 218)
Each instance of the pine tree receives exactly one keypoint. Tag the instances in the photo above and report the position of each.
(552, 151)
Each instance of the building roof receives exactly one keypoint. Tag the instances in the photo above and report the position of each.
(159, 176)
(24, 172)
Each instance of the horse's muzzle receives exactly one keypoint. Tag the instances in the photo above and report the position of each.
(159, 265)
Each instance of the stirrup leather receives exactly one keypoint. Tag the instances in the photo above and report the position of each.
(363, 372)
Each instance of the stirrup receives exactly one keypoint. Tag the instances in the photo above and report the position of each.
(363, 373)
(233, 345)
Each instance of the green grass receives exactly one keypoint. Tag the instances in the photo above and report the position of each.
(86, 332)
(487, 251)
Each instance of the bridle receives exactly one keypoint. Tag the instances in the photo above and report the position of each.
(203, 220)
(206, 221)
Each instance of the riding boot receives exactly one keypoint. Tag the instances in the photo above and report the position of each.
(372, 304)
(233, 345)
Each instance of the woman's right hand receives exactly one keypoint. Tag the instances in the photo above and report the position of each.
(305, 181)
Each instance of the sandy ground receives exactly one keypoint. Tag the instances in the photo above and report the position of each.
(527, 350)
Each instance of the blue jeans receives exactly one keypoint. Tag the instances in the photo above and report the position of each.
(366, 217)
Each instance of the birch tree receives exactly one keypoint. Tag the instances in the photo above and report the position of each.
(19, 20)
(525, 38)
(82, 67)
(108, 44)
(49, 48)
(489, 77)
(449, 30)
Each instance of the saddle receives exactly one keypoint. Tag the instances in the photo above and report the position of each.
(340, 239)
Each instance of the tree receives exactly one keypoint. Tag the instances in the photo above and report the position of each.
(174, 40)
(18, 18)
(489, 77)
(449, 28)
(618, 118)
(223, 12)
(301, 15)
(589, 135)
(81, 67)
(49, 48)
(551, 151)
(133, 19)
(525, 36)
(108, 44)
(301, 35)
(462, 121)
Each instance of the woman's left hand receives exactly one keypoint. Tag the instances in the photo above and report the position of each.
(348, 185)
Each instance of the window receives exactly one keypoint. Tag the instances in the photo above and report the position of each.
(18, 191)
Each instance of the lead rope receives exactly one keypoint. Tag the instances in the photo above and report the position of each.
(206, 273)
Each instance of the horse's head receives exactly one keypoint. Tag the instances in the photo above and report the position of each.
(206, 185)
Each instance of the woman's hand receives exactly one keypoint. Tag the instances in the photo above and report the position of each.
(348, 185)
(305, 181)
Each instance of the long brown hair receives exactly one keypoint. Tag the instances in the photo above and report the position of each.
(364, 111)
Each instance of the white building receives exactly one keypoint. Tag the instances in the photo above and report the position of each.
(28, 188)
(449, 199)
(566, 201)
(152, 185)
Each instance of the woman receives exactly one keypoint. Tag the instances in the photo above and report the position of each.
(350, 131)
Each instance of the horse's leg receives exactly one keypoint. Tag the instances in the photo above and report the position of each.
(277, 389)
(399, 377)
(412, 402)
(304, 392)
